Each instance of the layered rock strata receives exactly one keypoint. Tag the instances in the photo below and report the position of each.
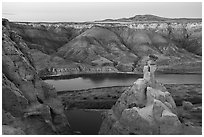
(29, 105)
(121, 46)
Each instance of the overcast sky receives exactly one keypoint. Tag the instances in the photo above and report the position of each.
(22, 11)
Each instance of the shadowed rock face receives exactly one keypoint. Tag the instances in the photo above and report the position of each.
(29, 105)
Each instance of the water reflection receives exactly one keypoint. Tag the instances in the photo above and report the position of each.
(100, 78)
(106, 80)
(86, 122)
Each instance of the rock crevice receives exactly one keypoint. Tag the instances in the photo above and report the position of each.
(144, 108)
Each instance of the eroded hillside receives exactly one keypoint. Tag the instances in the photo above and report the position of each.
(87, 47)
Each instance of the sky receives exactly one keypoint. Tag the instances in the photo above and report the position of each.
(90, 11)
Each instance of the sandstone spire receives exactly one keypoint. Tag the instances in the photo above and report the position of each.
(144, 108)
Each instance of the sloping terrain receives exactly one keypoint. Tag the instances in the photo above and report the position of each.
(168, 47)
(95, 43)
(147, 17)
(121, 46)
(44, 38)
(129, 48)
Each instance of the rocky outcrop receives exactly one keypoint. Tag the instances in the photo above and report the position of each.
(187, 105)
(29, 105)
(144, 108)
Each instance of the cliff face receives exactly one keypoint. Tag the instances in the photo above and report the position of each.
(125, 46)
(29, 105)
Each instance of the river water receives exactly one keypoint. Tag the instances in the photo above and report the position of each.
(106, 80)
(87, 122)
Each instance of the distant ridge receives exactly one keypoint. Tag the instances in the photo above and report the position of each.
(147, 17)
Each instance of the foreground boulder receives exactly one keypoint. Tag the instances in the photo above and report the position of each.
(29, 105)
(144, 108)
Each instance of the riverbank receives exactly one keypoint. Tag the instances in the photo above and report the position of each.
(69, 76)
(75, 75)
(104, 98)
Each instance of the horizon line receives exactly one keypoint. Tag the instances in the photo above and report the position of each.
(171, 18)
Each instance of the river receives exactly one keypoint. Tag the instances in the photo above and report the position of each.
(107, 80)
